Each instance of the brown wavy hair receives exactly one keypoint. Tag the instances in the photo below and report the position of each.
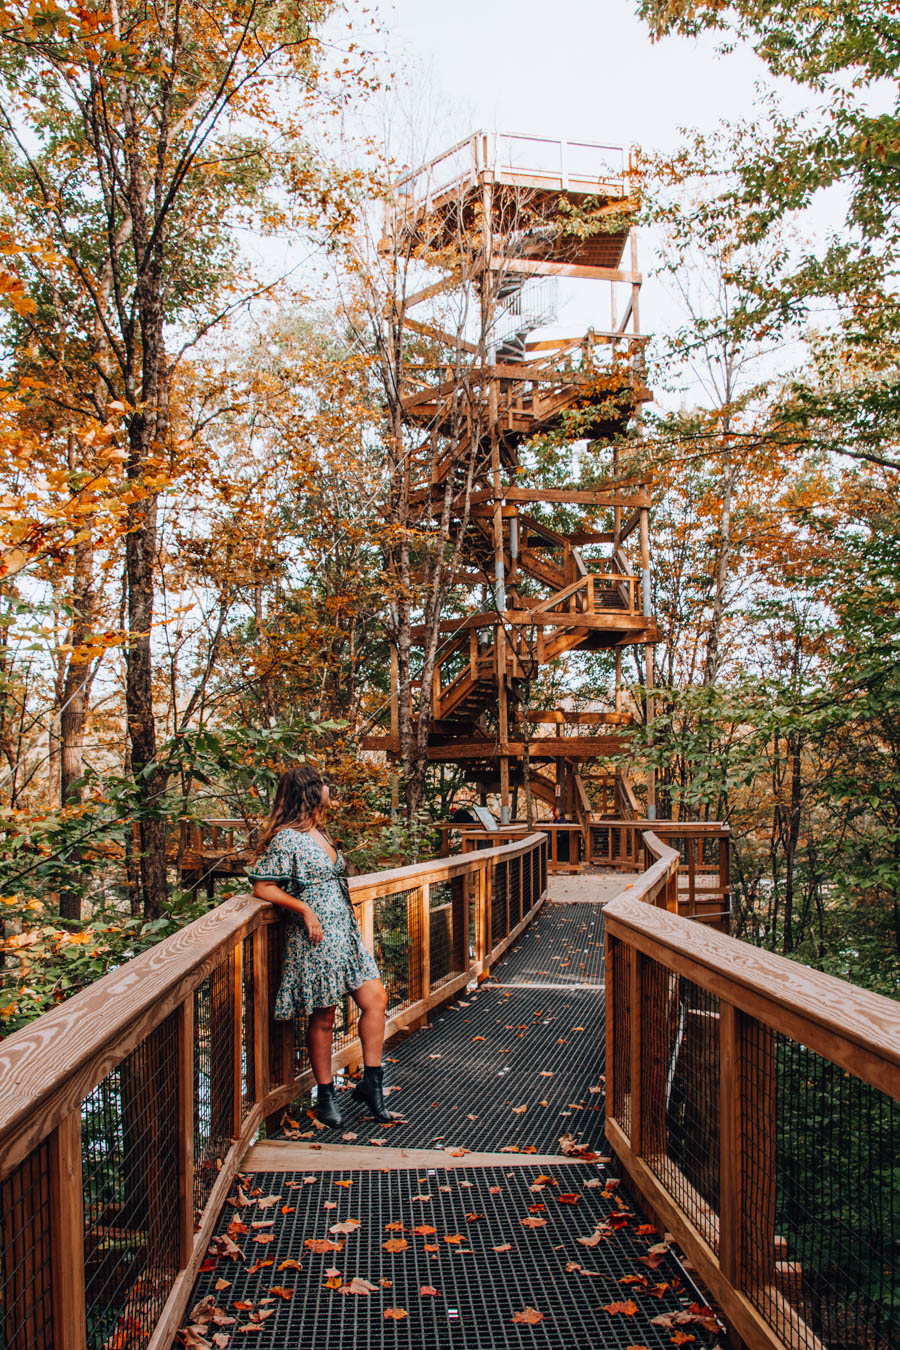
(298, 804)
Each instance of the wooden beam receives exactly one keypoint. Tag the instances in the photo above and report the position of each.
(438, 334)
(536, 268)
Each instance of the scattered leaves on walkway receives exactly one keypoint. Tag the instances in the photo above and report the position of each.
(529, 1315)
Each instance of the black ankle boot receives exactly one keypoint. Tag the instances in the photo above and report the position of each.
(370, 1089)
(326, 1106)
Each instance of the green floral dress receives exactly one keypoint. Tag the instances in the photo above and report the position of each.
(314, 975)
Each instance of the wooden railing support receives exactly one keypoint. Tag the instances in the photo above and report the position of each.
(67, 1236)
(184, 1088)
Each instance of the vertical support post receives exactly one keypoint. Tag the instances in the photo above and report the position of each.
(725, 878)
(261, 1069)
(747, 1086)
(67, 1235)
(482, 917)
(691, 847)
(503, 714)
(184, 1068)
(425, 927)
(649, 678)
(282, 1051)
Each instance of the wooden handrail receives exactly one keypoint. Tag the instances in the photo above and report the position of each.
(682, 1001)
(143, 1019)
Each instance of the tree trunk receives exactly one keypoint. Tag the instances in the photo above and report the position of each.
(73, 713)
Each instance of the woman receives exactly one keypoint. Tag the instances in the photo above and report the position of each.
(298, 868)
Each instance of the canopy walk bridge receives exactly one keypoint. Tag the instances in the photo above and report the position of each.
(616, 1126)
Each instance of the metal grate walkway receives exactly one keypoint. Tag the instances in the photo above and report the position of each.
(340, 1240)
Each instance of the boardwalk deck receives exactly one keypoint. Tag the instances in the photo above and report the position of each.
(458, 1220)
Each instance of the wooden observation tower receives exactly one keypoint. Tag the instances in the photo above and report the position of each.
(502, 222)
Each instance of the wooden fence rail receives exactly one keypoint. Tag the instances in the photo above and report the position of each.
(125, 1112)
(753, 1103)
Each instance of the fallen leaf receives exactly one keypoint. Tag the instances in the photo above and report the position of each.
(547, 1073)
(262, 1223)
(477, 1038)
(343, 1183)
(378, 1142)
(397, 1314)
(504, 1247)
(530, 1222)
(323, 1245)
(594, 1182)
(260, 1265)
(529, 1315)
(494, 1190)
(424, 1229)
(681, 1338)
(330, 1204)
(644, 1229)
(395, 1226)
(349, 1136)
(428, 1291)
(471, 1218)
(288, 1209)
(242, 1305)
(221, 1284)
(359, 1286)
(267, 1201)
(455, 1238)
(519, 1110)
(281, 1292)
(629, 1308)
(264, 1237)
(290, 1264)
(568, 1198)
(333, 1282)
(423, 1198)
(348, 1226)
(395, 1245)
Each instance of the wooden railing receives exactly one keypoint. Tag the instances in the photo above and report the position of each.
(752, 1102)
(704, 883)
(125, 1113)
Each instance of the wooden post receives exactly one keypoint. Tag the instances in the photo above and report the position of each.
(261, 1068)
(635, 1017)
(747, 1086)
(724, 878)
(184, 1068)
(691, 846)
(425, 925)
(67, 1236)
(482, 911)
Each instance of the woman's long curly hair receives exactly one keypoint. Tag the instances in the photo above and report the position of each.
(298, 804)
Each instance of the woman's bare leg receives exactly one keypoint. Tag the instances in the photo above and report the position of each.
(318, 1040)
(371, 998)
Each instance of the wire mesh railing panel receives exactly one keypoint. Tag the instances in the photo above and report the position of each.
(499, 894)
(620, 1104)
(26, 1306)
(515, 891)
(129, 1125)
(397, 930)
(440, 924)
(822, 1168)
(680, 1092)
(214, 1069)
(248, 1046)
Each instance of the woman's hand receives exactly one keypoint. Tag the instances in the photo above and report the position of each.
(314, 929)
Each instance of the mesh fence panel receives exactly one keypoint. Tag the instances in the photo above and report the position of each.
(214, 1061)
(499, 891)
(830, 1205)
(130, 1177)
(515, 891)
(680, 1092)
(397, 926)
(441, 932)
(248, 1047)
(26, 1308)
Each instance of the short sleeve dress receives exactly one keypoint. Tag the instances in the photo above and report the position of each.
(314, 975)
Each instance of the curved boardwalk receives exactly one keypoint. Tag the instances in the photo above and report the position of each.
(488, 1215)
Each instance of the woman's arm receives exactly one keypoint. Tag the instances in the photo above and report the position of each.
(267, 890)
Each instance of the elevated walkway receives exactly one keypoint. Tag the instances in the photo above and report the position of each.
(475, 1208)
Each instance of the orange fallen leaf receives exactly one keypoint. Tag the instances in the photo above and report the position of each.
(455, 1238)
(568, 1198)
(423, 1229)
(395, 1245)
(221, 1284)
(530, 1222)
(395, 1226)
(348, 1226)
(628, 1308)
(471, 1218)
(290, 1264)
(643, 1229)
(681, 1338)
(242, 1306)
(323, 1245)
(359, 1286)
(477, 1038)
(280, 1291)
(345, 1184)
(519, 1110)
(428, 1291)
(396, 1314)
(259, 1265)
(430, 1247)
(386, 1284)
(333, 1282)
(530, 1316)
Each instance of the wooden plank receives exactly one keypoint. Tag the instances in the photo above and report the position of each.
(853, 1027)
(284, 1155)
(49, 1067)
(67, 1235)
(558, 269)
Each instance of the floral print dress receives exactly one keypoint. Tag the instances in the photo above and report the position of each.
(314, 975)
